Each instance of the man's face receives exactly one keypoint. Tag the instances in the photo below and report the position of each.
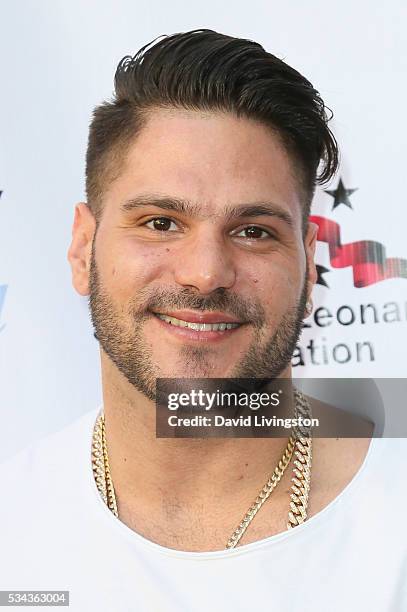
(149, 256)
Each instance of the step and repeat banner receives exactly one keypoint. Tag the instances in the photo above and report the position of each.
(58, 61)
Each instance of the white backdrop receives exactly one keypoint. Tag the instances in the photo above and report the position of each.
(57, 62)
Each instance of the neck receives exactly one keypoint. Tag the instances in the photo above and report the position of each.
(197, 471)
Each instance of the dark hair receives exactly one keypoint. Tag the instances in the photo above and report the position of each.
(206, 70)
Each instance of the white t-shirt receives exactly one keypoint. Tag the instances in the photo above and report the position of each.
(57, 534)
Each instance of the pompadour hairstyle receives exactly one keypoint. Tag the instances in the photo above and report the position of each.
(209, 71)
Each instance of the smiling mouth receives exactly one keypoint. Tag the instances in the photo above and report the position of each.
(198, 327)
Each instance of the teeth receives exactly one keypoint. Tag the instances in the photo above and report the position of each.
(197, 326)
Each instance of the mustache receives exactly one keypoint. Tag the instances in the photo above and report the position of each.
(219, 299)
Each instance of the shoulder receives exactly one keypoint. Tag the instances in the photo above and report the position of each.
(44, 499)
(370, 468)
(44, 460)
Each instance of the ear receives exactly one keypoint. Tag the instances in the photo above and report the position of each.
(79, 252)
(310, 245)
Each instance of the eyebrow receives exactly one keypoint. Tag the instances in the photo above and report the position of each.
(185, 207)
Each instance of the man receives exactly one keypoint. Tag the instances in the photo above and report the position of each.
(200, 176)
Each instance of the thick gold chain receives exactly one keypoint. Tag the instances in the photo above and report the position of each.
(298, 445)
(100, 465)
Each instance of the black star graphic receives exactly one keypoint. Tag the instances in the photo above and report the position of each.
(340, 195)
(320, 271)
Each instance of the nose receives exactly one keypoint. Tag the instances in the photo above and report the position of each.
(205, 262)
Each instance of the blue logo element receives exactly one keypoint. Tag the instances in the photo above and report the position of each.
(3, 289)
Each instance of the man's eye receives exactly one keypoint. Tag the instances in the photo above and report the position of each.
(254, 232)
(161, 224)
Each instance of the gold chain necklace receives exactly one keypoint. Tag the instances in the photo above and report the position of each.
(300, 446)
